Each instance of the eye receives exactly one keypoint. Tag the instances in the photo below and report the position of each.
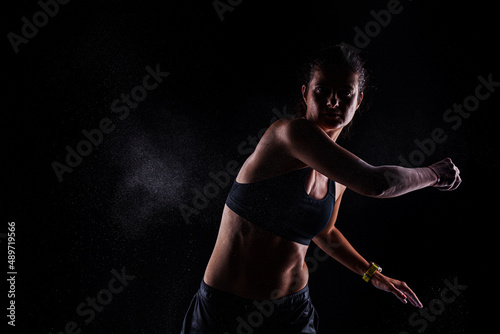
(346, 93)
(321, 90)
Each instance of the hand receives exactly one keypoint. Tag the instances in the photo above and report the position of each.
(398, 288)
(448, 173)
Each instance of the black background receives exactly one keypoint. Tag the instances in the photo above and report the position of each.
(120, 207)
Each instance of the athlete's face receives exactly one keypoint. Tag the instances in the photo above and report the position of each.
(332, 97)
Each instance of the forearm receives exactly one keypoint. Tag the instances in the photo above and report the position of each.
(338, 247)
(306, 142)
(400, 180)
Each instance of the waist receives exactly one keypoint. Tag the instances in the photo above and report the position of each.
(223, 297)
(254, 263)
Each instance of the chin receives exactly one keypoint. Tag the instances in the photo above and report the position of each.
(332, 124)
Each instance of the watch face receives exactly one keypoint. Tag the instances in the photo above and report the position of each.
(379, 268)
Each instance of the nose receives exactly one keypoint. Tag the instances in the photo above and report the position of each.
(333, 100)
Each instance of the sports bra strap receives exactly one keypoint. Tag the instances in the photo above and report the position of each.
(331, 188)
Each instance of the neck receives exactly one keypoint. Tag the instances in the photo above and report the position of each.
(334, 134)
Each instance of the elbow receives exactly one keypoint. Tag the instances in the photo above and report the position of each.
(377, 192)
(380, 185)
(374, 190)
(375, 181)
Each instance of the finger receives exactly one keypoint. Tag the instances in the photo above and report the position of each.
(411, 296)
(445, 188)
(399, 294)
(453, 186)
(457, 183)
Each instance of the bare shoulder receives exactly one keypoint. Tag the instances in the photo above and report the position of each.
(288, 130)
(271, 156)
(292, 125)
(273, 144)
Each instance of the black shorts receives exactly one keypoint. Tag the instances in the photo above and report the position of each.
(218, 312)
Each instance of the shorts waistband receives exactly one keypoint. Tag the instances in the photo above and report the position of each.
(211, 293)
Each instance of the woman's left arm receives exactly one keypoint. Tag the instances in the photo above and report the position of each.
(333, 242)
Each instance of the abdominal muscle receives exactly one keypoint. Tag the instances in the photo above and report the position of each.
(253, 263)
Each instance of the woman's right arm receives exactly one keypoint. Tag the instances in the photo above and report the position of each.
(308, 143)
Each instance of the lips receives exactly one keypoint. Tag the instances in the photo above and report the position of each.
(333, 114)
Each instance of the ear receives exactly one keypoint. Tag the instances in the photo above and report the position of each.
(304, 93)
(359, 100)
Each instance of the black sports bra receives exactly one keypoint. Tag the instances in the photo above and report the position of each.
(282, 206)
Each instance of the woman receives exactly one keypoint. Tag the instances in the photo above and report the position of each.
(288, 193)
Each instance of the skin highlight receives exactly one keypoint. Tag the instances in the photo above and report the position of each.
(253, 263)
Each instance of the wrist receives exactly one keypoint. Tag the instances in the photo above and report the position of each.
(435, 176)
(371, 272)
(361, 268)
(376, 277)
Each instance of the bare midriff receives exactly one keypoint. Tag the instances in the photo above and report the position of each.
(253, 263)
